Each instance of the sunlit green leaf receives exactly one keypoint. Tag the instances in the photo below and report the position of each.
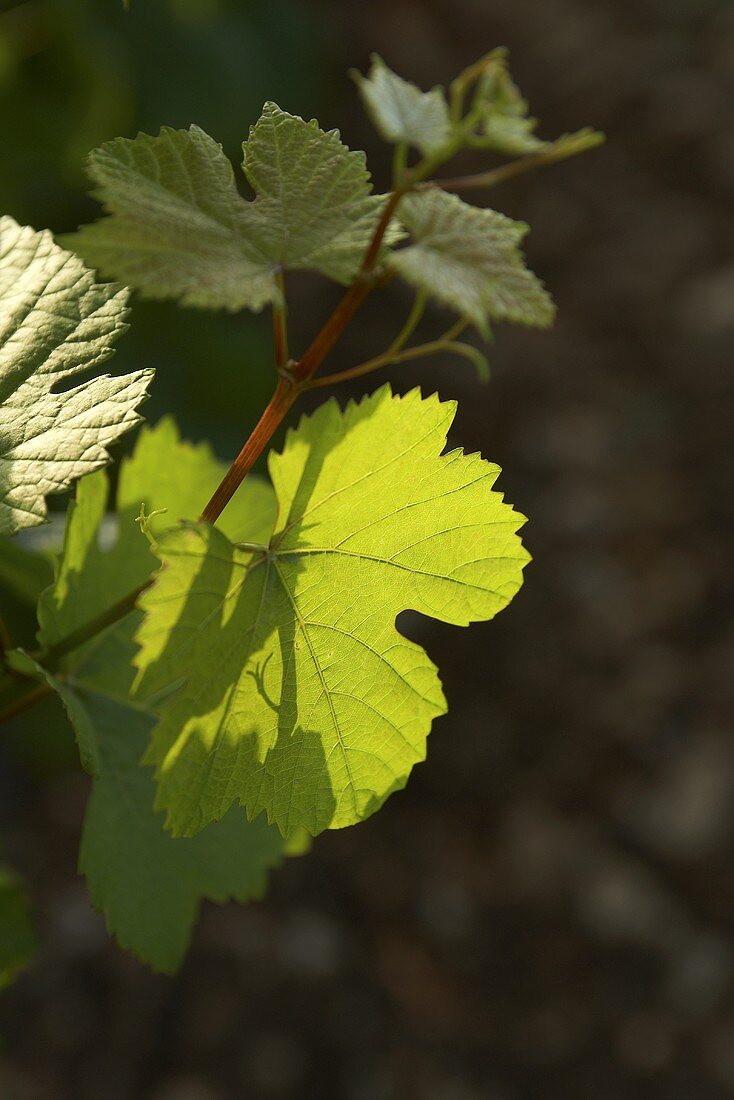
(299, 695)
(165, 474)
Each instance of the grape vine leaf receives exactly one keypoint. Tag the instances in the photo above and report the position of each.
(165, 474)
(17, 937)
(148, 883)
(506, 125)
(55, 322)
(176, 226)
(314, 208)
(301, 698)
(469, 258)
(401, 112)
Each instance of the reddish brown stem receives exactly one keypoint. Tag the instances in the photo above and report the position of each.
(280, 326)
(373, 252)
(5, 639)
(279, 404)
(294, 381)
(352, 300)
(332, 330)
(25, 702)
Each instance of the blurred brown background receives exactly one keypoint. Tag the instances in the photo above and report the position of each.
(547, 910)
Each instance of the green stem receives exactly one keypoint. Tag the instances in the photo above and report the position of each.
(560, 150)
(411, 323)
(456, 330)
(399, 164)
(390, 357)
(50, 657)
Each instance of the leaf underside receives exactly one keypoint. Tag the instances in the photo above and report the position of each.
(469, 259)
(177, 227)
(55, 322)
(401, 112)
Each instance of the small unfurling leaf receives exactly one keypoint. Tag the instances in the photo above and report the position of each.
(401, 112)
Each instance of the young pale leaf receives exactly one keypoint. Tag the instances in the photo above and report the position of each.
(314, 208)
(17, 937)
(178, 228)
(300, 697)
(55, 321)
(468, 258)
(401, 112)
(506, 126)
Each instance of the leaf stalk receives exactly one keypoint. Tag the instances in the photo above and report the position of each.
(280, 325)
(392, 356)
(558, 151)
(18, 706)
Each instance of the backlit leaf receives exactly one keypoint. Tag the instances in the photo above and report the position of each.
(299, 695)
